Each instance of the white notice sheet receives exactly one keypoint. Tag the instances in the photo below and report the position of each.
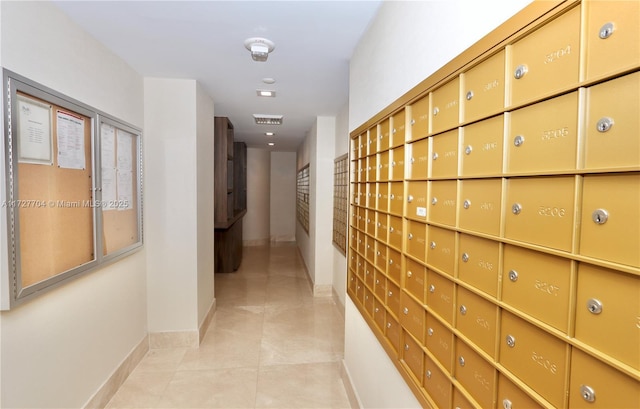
(34, 132)
(125, 160)
(125, 190)
(109, 192)
(70, 141)
(108, 146)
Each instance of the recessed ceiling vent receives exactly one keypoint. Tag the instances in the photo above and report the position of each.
(264, 119)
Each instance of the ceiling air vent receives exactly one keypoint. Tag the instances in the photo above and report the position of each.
(263, 119)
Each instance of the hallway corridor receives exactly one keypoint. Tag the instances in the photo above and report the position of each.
(270, 345)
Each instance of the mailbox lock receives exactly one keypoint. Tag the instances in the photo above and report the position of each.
(513, 275)
(516, 208)
(461, 360)
(520, 71)
(413, 122)
(388, 325)
(469, 95)
(412, 160)
(390, 293)
(466, 204)
(393, 163)
(604, 124)
(428, 374)
(379, 224)
(377, 309)
(394, 130)
(380, 166)
(606, 31)
(390, 261)
(391, 229)
(406, 347)
(435, 155)
(434, 201)
(405, 311)
(468, 149)
(432, 245)
(511, 341)
(430, 331)
(377, 281)
(409, 199)
(463, 310)
(410, 236)
(409, 274)
(432, 288)
(465, 257)
(587, 393)
(600, 216)
(378, 252)
(506, 404)
(379, 194)
(594, 306)
(518, 140)
(392, 196)
(435, 111)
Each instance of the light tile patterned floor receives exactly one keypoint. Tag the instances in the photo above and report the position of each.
(271, 344)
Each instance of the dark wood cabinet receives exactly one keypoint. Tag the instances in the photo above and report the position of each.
(230, 190)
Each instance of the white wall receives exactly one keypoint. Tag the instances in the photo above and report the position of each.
(256, 223)
(405, 43)
(341, 142)
(205, 165)
(59, 348)
(283, 196)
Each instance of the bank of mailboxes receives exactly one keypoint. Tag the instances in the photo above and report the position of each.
(495, 223)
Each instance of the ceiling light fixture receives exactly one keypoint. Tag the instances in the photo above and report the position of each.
(265, 93)
(259, 48)
(271, 144)
(269, 133)
(265, 119)
(269, 80)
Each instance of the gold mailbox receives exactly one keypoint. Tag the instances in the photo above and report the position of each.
(383, 197)
(475, 374)
(459, 401)
(480, 205)
(396, 164)
(442, 202)
(510, 396)
(611, 218)
(372, 168)
(416, 243)
(547, 60)
(439, 341)
(415, 278)
(441, 249)
(368, 301)
(398, 128)
(477, 319)
(541, 211)
(412, 317)
(372, 141)
(536, 357)
(379, 314)
(612, 125)
(396, 232)
(419, 121)
(440, 296)
(396, 198)
(608, 308)
(544, 137)
(392, 331)
(382, 227)
(538, 284)
(393, 298)
(437, 384)
(383, 166)
(444, 155)
(478, 263)
(384, 137)
(418, 166)
(380, 285)
(394, 271)
(483, 88)
(481, 148)
(417, 200)
(445, 106)
(413, 356)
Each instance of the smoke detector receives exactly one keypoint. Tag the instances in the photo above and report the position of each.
(259, 48)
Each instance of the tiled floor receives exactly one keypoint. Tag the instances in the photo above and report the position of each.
(271, 344)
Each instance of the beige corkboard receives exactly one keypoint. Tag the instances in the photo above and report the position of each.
(55, 218)
(120, 226)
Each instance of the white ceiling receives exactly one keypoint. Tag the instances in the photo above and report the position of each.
(204, 40)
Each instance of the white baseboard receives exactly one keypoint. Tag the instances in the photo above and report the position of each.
(174, 339)
(354, 400)
(204, 326)
(338, 301)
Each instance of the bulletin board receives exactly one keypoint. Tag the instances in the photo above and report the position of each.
(64, 198)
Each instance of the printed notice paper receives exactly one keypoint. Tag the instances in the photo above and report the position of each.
(125, 160)
(125, 190)
(34, 132)
(108, 146)
(70, 141)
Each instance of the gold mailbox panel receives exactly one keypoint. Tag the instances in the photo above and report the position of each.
(440, 296)
(396, 198)
(599, 386)
(612, 124)
(478, 263)
(442, 202)
(544, 137)
(445, 106)
(360, 291)
(477, 320)
(475, 374)
(370, 249)
(419, 121)
(393, 298)
(398, 128)
(369, 274)
(361, 243)
(612, 41)
(382, 227)
(412, 317)
(383, 166)
(380, 285)
(372, 141)
(416, 239)
(384, 138)
(362, 145)
(547, 60)
(355, 148)
(370, 195)
(381, 257)
(437, 384)
(444, 155)
(383, 197)
(441, 249)
(396, 164)
(537, 358)
(608, 308)
(459, 401)
(392, 331)
(370, 222)
(510, 396)
(413, 356)
(611, 218)
(396, 232)
(395, 265)
(372, 168)
(417, 200)
(538, 284)
(352, 282)
(480, 205)
(483, 88)
(541, 211)
(379, 314)
(415, 279)
(418, 166)
(439, 341)
(368, 301)
(481, 148)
